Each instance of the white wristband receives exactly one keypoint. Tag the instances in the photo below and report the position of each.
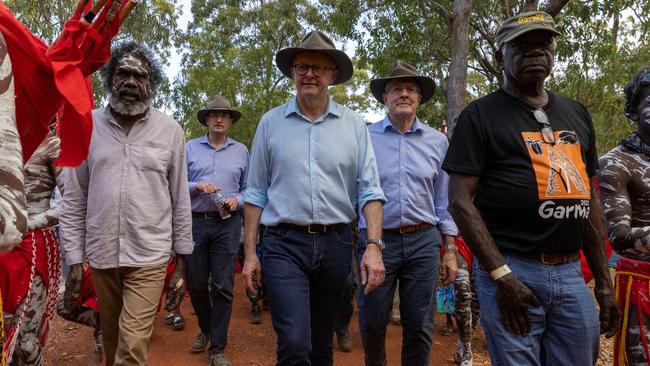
(500, 272)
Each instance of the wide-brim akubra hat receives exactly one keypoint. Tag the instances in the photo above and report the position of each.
(316, 41)
(402, 70)
(219, 103)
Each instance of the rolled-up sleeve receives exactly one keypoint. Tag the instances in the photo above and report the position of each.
(180, 196)
(368, 185)
(258, 173)
(73, 215)
(446, 225)
(243, 180)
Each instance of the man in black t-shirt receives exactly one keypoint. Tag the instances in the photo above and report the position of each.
(521, 161)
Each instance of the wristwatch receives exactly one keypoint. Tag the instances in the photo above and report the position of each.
(378, 242)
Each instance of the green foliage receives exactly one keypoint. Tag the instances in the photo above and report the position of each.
(153, 22)
(229, 49)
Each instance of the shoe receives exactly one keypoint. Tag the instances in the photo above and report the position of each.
(255, 317)
(219, 359)
(344, 341)
(200, 343)
(178, 323)
(444, 331)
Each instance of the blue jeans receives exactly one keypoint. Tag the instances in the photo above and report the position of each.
(564, 329)
(305, 278)
(216, 242)
(413, 259)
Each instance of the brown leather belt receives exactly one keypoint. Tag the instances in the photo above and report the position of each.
(408, 229)
(313, 228)
(550, 258)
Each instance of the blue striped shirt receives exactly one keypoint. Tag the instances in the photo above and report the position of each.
(411, 176)
(226, 167)
(312, 173)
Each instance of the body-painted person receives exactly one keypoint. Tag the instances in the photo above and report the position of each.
(127, 206)
(30, 273)
(304, 190)
(623, 179)
(521, 161)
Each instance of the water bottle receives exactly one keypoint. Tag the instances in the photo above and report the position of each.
(220, 200)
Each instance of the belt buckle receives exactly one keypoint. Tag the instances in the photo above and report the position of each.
(310, 231)
(401, 230)
(543, 259)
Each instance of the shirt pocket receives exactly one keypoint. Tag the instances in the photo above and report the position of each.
(152, 157)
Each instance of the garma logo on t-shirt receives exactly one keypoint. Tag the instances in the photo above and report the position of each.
(559, 169)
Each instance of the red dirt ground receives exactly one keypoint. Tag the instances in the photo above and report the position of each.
(248, 345)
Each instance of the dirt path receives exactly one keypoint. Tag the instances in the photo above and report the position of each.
(248, 345)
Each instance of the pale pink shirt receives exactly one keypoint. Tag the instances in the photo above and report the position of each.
(128, 203)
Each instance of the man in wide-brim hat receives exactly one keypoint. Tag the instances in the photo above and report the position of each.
(215, 162)
(311, 162)
(409, 158)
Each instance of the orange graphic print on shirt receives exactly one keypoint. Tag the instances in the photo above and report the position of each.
(559, 168)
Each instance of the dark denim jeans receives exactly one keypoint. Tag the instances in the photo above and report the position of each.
(216, 242)
(413, 259)
(305, 278)
(564, 330)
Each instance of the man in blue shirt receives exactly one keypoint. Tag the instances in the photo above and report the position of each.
(312, 164)
(215, 162)
(415, 218)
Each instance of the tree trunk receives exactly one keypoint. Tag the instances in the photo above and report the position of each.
(529, 5)
(457, 84)
(554, 7)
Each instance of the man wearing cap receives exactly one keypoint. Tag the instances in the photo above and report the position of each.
(215, 162)
(415, 218)
(126, 208)
(312, 165)
(520, 163)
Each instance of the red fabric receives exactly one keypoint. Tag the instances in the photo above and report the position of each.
(463, 250)
(47, 81)
(170, 271)
(586, 271)
(15, 267)
(87, 295)
(639, 298)
(37, 100)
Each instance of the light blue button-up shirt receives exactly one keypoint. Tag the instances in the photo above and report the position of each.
(311, 173)
(410, 170)
(227, 167)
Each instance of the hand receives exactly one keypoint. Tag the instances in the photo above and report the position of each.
(252, 272)
(207, 187)
(610, 316)
(513, 298)
(73, 287)
(372, 269)
(232, 203)
(448, 267)
(175, 288)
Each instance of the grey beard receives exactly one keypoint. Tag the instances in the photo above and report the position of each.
(129, 109)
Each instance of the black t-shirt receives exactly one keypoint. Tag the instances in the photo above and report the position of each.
(533, 196)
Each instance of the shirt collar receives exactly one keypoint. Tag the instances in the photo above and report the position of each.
(111, 118)
(204, 140)
(332, 108)
(386, 125)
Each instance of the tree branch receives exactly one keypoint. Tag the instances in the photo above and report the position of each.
(505, 9)
(438, 8)
(554, 7)
(529, 5)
